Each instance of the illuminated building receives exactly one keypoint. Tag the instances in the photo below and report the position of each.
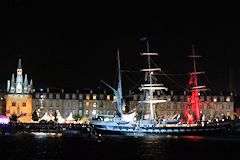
(82, 104)
(18, 97)
(88, 104)
(213, 106)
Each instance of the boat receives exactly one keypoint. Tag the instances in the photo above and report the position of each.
(153, 94)
(115, 123)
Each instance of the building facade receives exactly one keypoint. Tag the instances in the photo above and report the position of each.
(90, 104)
(18, 97)
(79, 104)
(212, 106)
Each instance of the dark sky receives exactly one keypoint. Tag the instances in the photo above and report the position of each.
(73, 45)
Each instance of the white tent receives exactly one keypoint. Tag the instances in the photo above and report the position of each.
(60, 119)
(46, 117)
(70, 118)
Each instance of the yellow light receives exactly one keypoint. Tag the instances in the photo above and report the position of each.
(87, 97)
(87, 103)
(228, 99)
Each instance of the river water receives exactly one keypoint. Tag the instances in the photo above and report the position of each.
(54, 146)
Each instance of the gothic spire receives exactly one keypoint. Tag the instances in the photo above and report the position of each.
(13, 80)
(19, 64)
(31, 82)
(25, 80)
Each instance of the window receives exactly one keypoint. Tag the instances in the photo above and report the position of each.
(87, 97)
(80, 105)
(13, 104)
(228, 99)
(67, 96)
(50, 96)
(87, 104)
(24, 104)
(57, 96)
(80, 112)
(94, 105)
(80, 96)
(74, 96)
(108, 97)
(94, 97)
(94, 112)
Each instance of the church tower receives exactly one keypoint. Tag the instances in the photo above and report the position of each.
(19, 79)
(18, 97)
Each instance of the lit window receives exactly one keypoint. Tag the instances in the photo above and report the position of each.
(214, 99)
(87, 97)
(94, 97)
(94, 112)
(24, 104)
(108, 97)
(115, 97)
(228, 99)
(80, 112)
(86, 111)
(94, 105)
(87, 103)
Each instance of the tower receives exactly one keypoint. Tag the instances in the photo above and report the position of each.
(18, 97)
(19, 79)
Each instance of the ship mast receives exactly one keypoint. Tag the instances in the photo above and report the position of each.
(118, 92)
(194, 100)
(150, 87)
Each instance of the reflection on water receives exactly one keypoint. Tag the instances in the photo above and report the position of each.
(54, 146)
(45, 135)
(193, 138)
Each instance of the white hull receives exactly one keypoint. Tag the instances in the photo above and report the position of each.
(113, 128)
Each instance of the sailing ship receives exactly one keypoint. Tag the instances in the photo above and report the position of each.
(153, 94)
(115, 123)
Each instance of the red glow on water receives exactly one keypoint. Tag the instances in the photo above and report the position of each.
(193, 138)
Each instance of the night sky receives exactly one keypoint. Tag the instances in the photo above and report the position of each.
(74, 46)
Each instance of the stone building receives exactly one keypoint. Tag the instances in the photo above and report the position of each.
(18, 97)
(90, 104)
(79, 104)
(212, 106)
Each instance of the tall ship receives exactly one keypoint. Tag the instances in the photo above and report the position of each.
(121, 121)
(190, 123)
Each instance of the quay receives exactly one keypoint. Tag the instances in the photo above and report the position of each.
(47, 128)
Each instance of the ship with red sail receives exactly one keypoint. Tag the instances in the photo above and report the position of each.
(191, 122)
